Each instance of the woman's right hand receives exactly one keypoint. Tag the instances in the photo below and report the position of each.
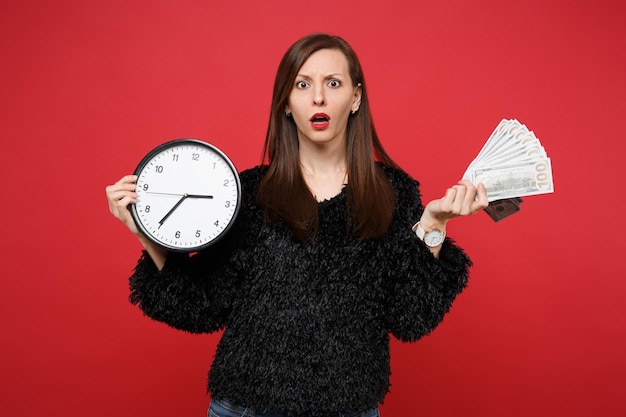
(119, 196)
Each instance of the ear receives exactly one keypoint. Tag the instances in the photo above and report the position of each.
(287, 110)
(356, 99)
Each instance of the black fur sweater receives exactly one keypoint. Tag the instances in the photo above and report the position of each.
(306, 326)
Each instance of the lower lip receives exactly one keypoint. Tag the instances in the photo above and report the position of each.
(320, 126)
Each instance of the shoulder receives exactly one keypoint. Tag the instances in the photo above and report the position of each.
(249, 215)
(400, 180)
(254, 174)
(251, 178)
(406, 190)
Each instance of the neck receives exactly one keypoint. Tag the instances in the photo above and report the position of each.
(322, 160)
(324, 170)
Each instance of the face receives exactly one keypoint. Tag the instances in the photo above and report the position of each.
(322, 97)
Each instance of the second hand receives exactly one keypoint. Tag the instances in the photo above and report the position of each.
(181, 195)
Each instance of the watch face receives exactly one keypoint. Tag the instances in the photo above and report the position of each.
(188, 195)
(433, 237)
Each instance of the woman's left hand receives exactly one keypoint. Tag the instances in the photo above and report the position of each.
(462, 199)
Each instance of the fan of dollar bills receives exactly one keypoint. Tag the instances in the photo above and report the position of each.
(512, 164)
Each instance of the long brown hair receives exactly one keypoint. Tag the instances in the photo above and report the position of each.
(283, 191)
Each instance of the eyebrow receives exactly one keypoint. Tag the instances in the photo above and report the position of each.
(333, 75)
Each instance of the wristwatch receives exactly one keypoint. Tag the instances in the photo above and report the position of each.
(431, 238)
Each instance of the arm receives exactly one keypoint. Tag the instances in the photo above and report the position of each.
(191, 293)
(422, 282)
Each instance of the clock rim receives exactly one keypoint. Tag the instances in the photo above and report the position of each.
(160, 148)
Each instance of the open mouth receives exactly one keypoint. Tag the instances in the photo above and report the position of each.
(320, 120)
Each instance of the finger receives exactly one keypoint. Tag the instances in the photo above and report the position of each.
(119, 206)
(476, 198)
(469, 198)
(482, 201)
(123, 182)
(459, 200)
(112, 191)
(127, 179)
(122, 185)
(120, 211)
(126, 200)
(447, 201)
(116, 195)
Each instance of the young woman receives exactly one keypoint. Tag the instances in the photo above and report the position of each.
(331, 253)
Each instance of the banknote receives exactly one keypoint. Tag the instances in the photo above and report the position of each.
(512, 163)
(502, 209)
(515, 180)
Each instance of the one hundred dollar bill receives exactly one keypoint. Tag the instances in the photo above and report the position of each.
(512, 163)
(517, 180)
(501, 209)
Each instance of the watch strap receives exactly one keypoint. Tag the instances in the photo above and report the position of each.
(419, 231)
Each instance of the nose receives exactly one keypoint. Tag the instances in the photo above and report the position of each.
(318, 96)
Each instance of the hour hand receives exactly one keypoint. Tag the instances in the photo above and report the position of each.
(199, 196)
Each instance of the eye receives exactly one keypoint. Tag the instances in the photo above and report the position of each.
(301, 85)
(334, 83)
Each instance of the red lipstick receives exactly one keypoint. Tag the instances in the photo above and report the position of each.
(320, 121)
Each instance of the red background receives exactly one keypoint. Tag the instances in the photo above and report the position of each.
(88, 87)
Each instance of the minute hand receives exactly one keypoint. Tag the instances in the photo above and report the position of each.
(173, 208)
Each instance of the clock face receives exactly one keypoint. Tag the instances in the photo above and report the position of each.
(188, 195)
(433, 238)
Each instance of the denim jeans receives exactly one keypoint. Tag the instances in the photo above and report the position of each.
(223, 408)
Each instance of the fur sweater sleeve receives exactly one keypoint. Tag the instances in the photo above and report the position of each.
(195, 293)
(420, 288)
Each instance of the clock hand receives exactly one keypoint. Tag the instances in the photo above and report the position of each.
(179, 194)
(154, 192)
(199, 196)
(172, 209)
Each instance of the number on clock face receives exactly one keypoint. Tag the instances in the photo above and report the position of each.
(188, 194)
